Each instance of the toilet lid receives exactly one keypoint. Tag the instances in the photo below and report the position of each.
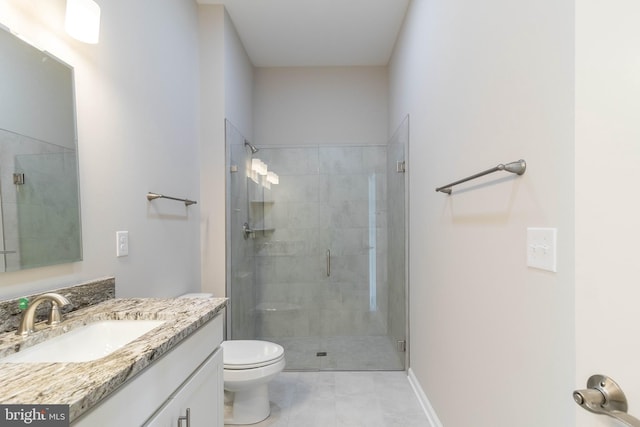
(246, 354)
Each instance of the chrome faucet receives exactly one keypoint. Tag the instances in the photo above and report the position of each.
(28, 317)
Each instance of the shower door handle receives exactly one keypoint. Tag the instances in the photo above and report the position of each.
(186, 417)
(328, 262)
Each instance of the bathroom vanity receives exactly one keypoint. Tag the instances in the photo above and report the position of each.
(169, 374)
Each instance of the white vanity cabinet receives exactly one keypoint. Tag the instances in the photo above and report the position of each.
(199, 402)
(188, 376)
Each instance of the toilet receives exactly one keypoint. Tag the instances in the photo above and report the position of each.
(249, 365)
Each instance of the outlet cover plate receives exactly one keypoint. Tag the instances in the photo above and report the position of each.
(541, 248)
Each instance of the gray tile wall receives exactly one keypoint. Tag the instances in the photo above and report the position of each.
(48, 231)
(323, 203)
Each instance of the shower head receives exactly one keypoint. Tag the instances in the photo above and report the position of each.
(253, 148)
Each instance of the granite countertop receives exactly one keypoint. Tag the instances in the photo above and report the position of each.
(82, 385)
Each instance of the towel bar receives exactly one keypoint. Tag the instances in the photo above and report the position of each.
(518, 168)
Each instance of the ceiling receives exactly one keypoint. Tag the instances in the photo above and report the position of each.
(313, 33)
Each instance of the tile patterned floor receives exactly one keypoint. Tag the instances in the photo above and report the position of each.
(343, 399)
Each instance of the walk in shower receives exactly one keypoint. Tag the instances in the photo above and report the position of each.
(316, 251)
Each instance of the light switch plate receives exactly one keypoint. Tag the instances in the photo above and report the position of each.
(122, 243)
(541, 248)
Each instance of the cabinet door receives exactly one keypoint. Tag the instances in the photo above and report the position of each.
(201, 393)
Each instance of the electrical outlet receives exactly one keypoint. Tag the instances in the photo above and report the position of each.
(122, 243)
(541, 248)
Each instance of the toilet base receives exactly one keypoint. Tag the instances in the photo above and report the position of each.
(250, 406)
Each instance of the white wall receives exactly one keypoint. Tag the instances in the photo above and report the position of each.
(238, 81)
(211, 30)
(321, 105)
(137, 100)
(41, 94)
(491, 340)
(607, 203)
(227, 93)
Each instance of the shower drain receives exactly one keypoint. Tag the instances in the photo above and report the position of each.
(321, 353)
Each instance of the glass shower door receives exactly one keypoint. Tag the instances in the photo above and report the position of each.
(321, 271)
(316, 259)
(397, 236)
(240, 247)
(352, 219)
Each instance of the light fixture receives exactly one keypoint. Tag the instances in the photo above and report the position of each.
(254, 176)
(259, 166)
(263, 168)
(82, 20)
(273, 177)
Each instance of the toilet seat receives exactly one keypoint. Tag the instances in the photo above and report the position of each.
(249, 354)
(248, 367)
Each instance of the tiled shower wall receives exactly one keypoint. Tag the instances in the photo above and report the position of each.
(329, 200)
(40, 219)
(49, 224)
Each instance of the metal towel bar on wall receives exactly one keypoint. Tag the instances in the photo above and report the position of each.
(518, 168)
(153, 196)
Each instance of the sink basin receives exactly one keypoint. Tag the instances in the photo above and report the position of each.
(86, 343)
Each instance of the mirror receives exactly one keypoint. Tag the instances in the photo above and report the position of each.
(39, 197)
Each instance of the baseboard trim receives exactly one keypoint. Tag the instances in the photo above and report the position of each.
(432, 417)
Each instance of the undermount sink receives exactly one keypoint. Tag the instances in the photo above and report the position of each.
(86, 343)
